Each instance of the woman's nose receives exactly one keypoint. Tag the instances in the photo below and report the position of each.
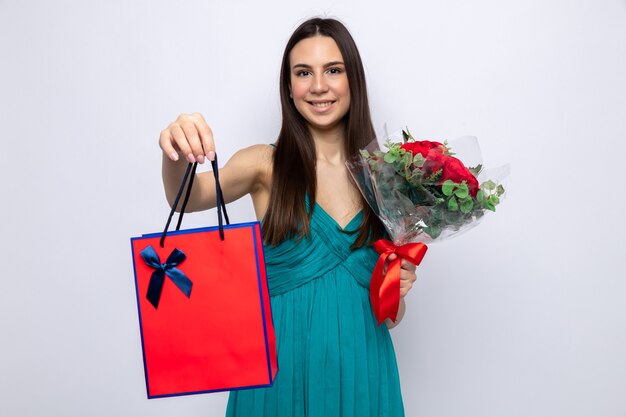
(319, 84)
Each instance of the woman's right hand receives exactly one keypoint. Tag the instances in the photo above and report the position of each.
(190, 137)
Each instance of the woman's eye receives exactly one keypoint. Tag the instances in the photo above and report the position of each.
(302, 73)
(335, 70)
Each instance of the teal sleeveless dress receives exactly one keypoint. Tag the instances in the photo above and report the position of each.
(333, 358)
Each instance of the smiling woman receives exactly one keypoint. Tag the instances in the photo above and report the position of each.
(333, 358)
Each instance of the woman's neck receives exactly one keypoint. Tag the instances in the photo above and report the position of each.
(329, 145)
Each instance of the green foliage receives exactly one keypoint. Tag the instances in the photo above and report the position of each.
(435, 176)
(418, 160)
(462, 190)
(406, 135)
(392, 156)
(415, 176)
(451, 217)
(480, 196)
(453, 205)
(488, 196)
(433, 231)
(447, 151)
(489, 185)
(476, 170)
(447, 188)
(466, 205)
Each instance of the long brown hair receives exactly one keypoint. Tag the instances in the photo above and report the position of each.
(294, 166)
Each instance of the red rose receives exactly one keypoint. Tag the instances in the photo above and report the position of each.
(434, 163)
(424, 147)
(455, 170)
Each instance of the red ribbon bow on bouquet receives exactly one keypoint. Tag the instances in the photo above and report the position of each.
(385, 288)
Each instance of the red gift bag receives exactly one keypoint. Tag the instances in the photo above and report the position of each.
(204, 308)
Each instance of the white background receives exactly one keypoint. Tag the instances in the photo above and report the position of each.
(524, 316)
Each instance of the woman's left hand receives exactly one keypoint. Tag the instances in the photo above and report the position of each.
(407, 275)
(407, 278)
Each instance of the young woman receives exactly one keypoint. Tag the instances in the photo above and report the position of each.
(333, 358)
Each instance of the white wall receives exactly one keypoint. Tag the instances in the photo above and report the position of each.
(521, 317)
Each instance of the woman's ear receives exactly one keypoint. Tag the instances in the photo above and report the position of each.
(290, 95)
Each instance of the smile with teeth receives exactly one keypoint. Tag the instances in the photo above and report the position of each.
(321, 104)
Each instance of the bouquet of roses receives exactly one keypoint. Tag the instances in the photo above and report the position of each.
(422, 192)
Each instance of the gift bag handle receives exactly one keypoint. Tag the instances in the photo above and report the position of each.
(189, 176)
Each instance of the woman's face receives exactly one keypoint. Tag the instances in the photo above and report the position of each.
(319, 83)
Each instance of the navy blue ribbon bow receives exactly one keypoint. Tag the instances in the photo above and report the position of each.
(155, 287)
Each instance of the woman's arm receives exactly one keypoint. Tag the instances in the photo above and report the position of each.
(240, 176)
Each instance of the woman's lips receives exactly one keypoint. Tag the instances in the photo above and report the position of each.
(321, 106)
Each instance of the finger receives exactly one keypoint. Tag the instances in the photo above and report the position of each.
(191, 133)
(404, 290)
(388, 261)
(406, 276)
(408, 266)
(206, 136)
(181, 141)
(165, 142)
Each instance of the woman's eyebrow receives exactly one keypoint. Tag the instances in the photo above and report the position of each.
(329, 64)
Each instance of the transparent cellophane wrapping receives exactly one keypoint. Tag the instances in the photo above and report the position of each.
(420, 213)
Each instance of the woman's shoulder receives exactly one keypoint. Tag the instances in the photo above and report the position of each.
(263, 148)
(253, 155)
(256, 159)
